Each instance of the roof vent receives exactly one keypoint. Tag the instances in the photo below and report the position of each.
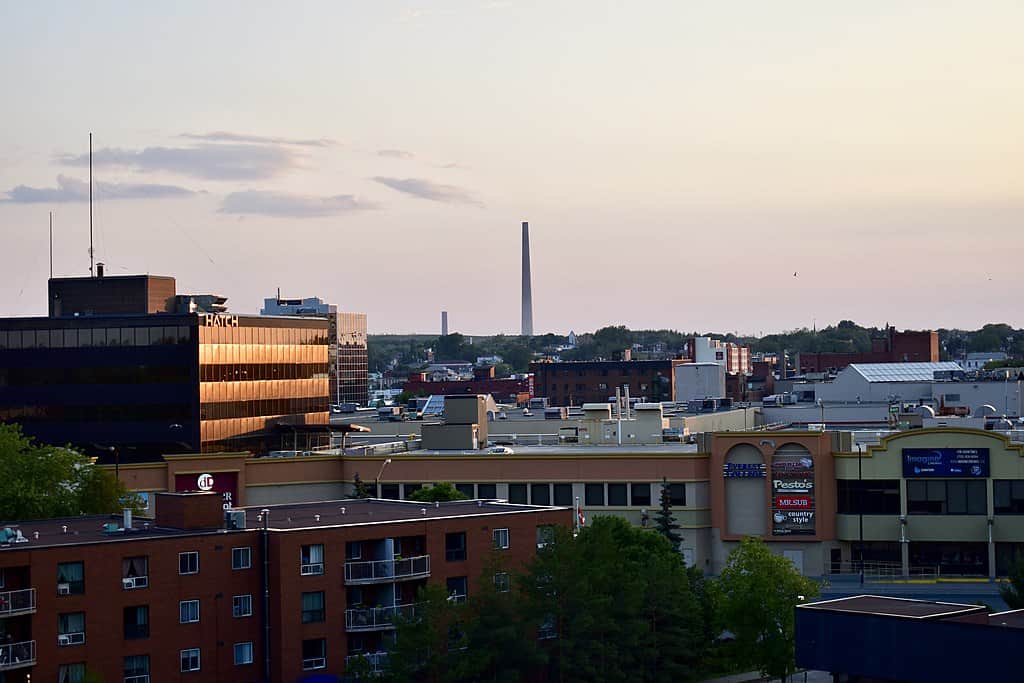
(316, 517)
(437, 503)
(342, 510)
(423, 511)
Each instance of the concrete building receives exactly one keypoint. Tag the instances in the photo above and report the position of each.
(346, 344)
(698, 381)
(735, 358)
(891, 347)
(276, 594)
(976, 360)
(112, 374)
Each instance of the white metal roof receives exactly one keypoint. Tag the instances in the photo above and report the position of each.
(902, 372)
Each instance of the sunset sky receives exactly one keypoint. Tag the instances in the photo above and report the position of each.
(678, 161)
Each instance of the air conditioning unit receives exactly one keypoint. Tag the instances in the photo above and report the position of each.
(234, 519)
(63, 640)
(128, 583)
(63, 589)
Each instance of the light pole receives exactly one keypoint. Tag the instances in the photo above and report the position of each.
(376, 481)
(860, 507)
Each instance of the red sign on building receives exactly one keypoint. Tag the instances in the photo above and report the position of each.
(794, 502)
(224, 483)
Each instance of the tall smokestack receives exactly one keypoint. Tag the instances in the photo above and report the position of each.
(527, 293)
(444, 323)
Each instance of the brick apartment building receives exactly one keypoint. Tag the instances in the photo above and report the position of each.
(577, 382)
(483, 382)
(277, 597)
(893, 347)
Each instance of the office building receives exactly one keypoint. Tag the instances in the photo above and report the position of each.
(112, 374)
(734, 357)
(274, 594)
(577, 382)
(346, 347)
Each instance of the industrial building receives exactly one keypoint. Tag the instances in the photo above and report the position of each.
(891, 347)
(275, 594)
(126, 369)
(577, 382)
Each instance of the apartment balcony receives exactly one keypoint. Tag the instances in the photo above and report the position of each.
(378, 661)
(17, 655)
(13, 603)
(377, 618)
(387, 571)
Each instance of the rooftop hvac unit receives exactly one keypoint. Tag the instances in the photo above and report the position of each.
(234, 519)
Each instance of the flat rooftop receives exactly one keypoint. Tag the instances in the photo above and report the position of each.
(89, 529)
(1011, 619)
(904, 608)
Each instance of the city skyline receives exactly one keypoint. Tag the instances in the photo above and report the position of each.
(743, 168)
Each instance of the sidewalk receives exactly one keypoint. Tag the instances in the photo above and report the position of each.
(755, 677)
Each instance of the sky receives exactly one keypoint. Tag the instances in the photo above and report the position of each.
(709, 165)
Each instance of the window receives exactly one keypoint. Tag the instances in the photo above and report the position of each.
(136, 622)
(487, 490)
(677, 494)
(517, 493)
(70, 578)
(241, 606)
(540, 494)
(1009, 497)
(71, 629)
(952, 398)
(547, 629)
(134, 572)
(457, 589)
(869, 496)
(314, 654)
(500, 539)
(188, 611)
(545, 535)
(71, 673)
(136, 669)
(354, 550)
(466, 490)
(311, 560)
(946, 497)
(455, 546)
(502, 582)
(617, 494)
(188, 563)
(312, 607)
(602, 386)
(594, 494)
(563, 494)
(641, 494)
(389, 491)
(190, 659)
(241, 558)
(243, 653)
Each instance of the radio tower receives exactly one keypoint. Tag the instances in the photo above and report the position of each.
(527, 293)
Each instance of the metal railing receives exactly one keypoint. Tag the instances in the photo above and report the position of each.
(17, 655)
(17, 602)
(377, 618)
(885, 571)
(375, 571)
(378, 661)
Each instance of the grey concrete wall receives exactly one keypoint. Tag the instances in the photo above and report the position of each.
(295, 493)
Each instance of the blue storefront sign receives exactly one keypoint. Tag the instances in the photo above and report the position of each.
(945, 462)
(735, 470)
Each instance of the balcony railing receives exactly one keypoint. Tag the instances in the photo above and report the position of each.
(17, 655)
(384, 571)
(17, 602)
(378, 661)
(377, 618)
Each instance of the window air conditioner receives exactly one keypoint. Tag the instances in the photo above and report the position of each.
(63, 589)
(63, 640)
(128, 583)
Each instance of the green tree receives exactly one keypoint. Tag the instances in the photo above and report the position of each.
(420, 651)
(52, 481)
(759, 591)
(617, 601)
(1012, 592)
(440, 492)
(664, 521)
(361, 489)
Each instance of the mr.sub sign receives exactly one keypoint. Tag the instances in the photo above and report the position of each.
(792, 495)
(224, 483)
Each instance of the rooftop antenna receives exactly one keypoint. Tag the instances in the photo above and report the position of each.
(91, 253)
(51, 245)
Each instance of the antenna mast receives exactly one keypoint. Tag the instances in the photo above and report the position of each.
(91, 253)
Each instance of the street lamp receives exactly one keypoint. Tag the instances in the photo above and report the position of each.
(860, 506)
(376, 481)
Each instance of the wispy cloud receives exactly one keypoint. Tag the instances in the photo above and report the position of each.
(426, 189)
(395, 154)
(225, 136)
(287, 205)
(74, 190)
(211, 162)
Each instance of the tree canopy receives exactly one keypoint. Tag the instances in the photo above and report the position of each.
(53, 481)
(442, 491)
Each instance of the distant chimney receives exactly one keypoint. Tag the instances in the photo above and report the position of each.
(99, 270)
(527, 293)
(444, 323)
(127, 518)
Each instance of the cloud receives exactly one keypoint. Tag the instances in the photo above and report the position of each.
(287, 205)
(425, 189)
(74, 190)
(211, 162)
(225, 136)
(395, 154)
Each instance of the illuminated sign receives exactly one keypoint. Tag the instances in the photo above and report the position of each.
(794, 485)
(204, 482)
(742, 470)
(794, 502)
(945, 462)
(793, 496)
(224, 483)
(218, 320)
